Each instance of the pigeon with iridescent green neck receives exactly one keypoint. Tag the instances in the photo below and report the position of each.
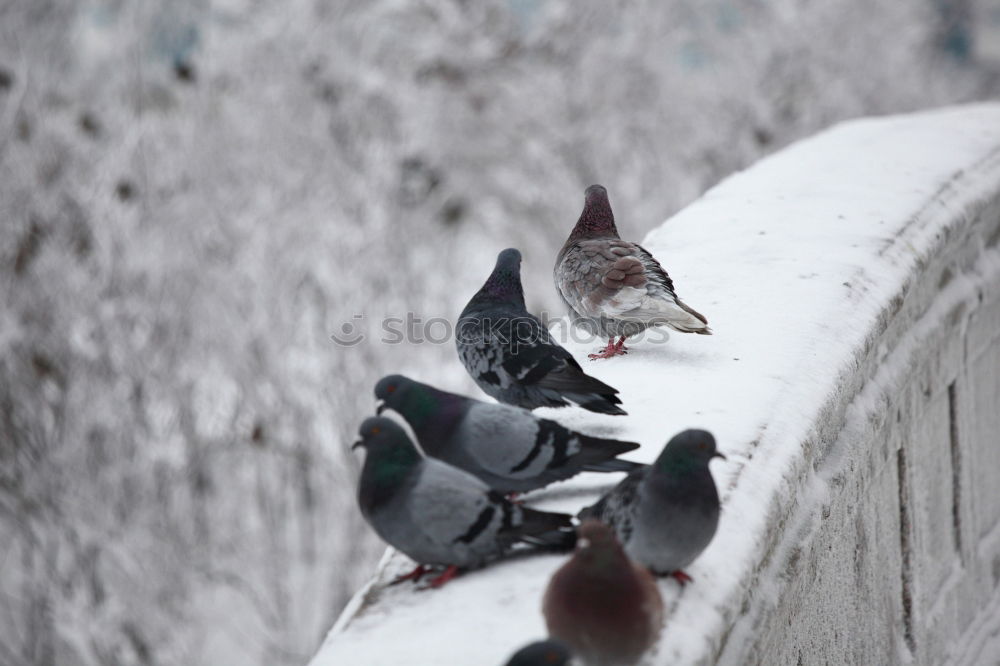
(614, 287)
(509, 448)
(439, 515)
(511, 355)
(666, 513)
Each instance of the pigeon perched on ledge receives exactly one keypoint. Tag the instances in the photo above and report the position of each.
(439, 515)
(614, 287)
(666, 513)
(511, 355)
(541, 653)
(509, 448)
(606, 608)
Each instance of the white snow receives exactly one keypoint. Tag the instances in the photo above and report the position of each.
(791, 261)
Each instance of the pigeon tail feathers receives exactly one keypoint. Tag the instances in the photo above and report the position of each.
(613, 466)
(546, 529)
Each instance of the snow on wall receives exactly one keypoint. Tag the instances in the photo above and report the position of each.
(853, 284)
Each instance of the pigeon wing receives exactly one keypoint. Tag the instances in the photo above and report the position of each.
(532, 354)
(620, 280)
(455, 510)
(617, 507)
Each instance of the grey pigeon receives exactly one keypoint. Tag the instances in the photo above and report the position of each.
(511, 355)
(614, 287)
(509, 448)
(541, 653)
(605, 607)
(439, 515)
(666, 514)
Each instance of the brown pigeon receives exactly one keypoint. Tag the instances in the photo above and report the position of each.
(614, 287)
(607, 609)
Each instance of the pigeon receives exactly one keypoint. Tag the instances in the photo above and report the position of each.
(511, 355)
(439, 515)
(614, 287)
(666, 513)
(509, 448)
(541, 653)
(605, 607)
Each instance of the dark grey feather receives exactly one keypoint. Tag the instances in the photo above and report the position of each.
(511, 355)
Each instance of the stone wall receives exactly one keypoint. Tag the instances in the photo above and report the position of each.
(898, 560)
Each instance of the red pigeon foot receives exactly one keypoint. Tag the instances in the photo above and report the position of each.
(611, 350)
(620, 346)
(414, 575)
(448, 574)
(681, 577)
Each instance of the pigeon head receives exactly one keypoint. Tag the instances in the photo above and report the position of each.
(541, 653)
(416, 402)
(384, 438)
(505, 280)
(596, 192)
(390, 458)
(687, 450)
(390, 391)
(597, 548)
(596, 220)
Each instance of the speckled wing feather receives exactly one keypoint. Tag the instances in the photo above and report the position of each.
(511, 355)
(614, 279)
(617, 508)
(533, 354)
(516, 361)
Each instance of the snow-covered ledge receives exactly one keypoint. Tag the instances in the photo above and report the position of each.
(853, 284)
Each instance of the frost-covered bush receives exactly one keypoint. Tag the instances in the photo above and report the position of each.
(195, 195)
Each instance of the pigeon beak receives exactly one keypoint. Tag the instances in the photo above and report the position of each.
(356, 444)
(719, 455)
(380, 407)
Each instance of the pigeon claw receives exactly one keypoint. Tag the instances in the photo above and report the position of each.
(613, 349)
(448, 574)
(681, 577)
(414, 575)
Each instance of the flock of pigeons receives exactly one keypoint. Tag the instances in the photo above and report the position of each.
(450, 506)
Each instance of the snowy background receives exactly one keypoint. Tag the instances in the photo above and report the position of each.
(195, 195)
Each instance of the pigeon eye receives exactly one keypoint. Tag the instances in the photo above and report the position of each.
(375, 430)
(391, 388)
